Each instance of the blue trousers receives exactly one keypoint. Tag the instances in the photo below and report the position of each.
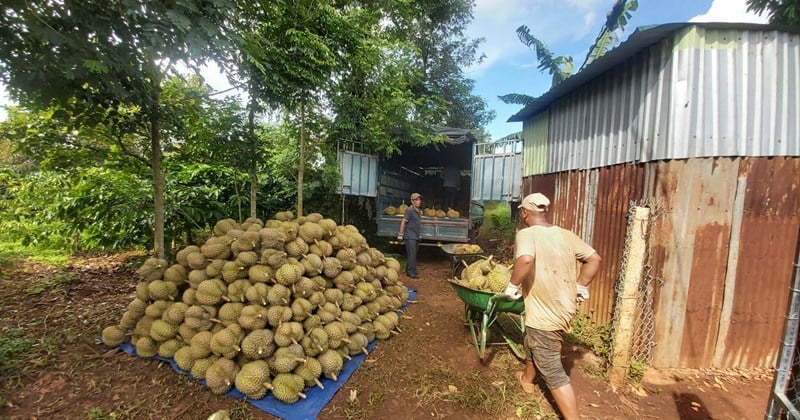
(412, 247)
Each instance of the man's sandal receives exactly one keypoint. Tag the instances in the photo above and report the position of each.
(528, 387)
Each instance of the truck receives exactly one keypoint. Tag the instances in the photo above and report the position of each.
(489, 171)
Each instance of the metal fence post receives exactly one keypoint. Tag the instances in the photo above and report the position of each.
(779, 402)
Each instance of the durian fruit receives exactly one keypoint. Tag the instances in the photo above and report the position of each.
(223, 226)
(284, 215)
(152, 269)
(467, 249)
(184, 359)
(180, 256)
(221, 375)
(258, 344)
(401, 209)
(288, 387)
(113, 335)
(497, 279)
(453, 214)
(253, 379)
(253, 317)
(390, 210)
(310, 371)
(200, 345)
(168, 348)
(225, 342)
(440, 214)
(286, 359)
(332, 363)
(200, 366)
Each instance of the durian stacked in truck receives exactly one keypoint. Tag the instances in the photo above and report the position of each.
(427, 212)
(486, 275)
(265, 307)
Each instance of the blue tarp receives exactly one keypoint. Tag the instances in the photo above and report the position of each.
(308, 408)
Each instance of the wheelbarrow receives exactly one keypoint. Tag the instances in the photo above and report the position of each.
(482, 311)
(458, 260)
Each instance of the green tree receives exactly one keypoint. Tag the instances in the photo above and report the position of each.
(95, 57)
(291, 54)
(436, 29)
(782, 12)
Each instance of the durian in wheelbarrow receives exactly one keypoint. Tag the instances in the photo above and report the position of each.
(467, 249)
(486, 275)
(391, 210)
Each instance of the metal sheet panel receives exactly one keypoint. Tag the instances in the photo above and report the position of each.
(704, 92)
(767, 248)
(706, 314)
(691, 238)
(534, 135)
(734, 93)
(497, 171)
(359, 174)
(613, 119)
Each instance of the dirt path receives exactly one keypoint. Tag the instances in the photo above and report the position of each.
(430, 370)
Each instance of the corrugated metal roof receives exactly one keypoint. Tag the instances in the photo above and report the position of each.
(642, 38)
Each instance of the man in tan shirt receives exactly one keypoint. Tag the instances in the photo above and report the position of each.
(546, 269)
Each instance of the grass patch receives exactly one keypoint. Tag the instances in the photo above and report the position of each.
(497, 221)
(587, 333)
(57, 281)
(12, 250)
(14, 345)
(636, 371)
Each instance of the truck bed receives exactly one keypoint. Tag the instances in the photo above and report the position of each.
(433, 228)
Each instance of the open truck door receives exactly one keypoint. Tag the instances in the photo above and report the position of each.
(497, 171)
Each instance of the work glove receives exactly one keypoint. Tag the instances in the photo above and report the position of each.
(400, 237)
(583, 293)
(512, 292)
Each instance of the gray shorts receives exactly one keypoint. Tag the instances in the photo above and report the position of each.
(544, 348)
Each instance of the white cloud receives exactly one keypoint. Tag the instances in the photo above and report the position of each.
(729, 11)
(549, 20)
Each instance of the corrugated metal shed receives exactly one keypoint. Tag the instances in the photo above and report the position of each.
(700, 121)
(673, 92)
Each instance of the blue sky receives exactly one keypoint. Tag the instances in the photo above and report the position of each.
(567, 27)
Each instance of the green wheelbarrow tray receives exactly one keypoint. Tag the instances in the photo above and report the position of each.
(481, 311)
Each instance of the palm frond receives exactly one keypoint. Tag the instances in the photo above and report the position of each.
(619, 16)
(517, 99)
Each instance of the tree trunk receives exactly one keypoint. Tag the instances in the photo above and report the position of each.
(254, 159)
(158, 179)
(301, 164)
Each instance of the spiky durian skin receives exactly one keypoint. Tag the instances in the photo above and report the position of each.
(253, 379)
(113, 335)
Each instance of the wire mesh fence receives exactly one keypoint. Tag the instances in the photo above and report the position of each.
(642, 328)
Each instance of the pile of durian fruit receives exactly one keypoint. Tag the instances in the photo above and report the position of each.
(486, 275)
(265, 307)
(427, 212)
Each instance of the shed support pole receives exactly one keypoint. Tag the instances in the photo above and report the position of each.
(630, 278)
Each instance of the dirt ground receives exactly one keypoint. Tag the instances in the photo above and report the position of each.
(430, 370)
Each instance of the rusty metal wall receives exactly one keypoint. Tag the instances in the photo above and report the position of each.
(766, 249)
(722, 248)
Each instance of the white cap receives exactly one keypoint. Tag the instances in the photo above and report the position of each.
(536, 202)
